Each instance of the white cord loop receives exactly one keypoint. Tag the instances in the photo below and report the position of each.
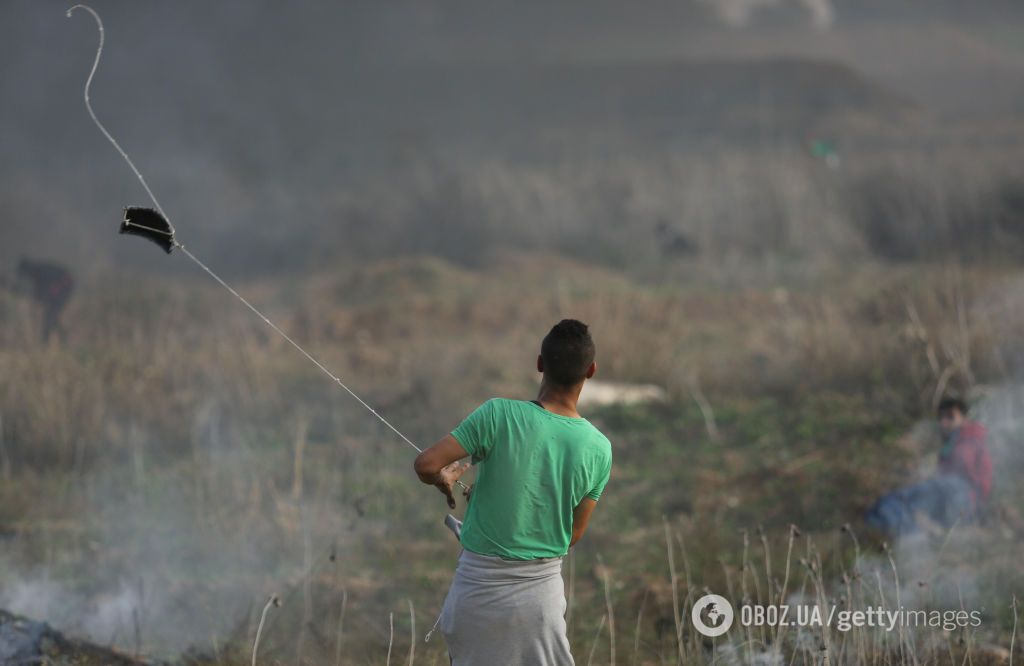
(156, 204)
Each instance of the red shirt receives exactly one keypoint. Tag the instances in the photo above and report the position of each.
(969, 458)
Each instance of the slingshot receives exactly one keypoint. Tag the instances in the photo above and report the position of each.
(154, 225)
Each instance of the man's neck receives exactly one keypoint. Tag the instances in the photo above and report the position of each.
(559, 400)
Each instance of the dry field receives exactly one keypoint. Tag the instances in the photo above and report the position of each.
(171, 464)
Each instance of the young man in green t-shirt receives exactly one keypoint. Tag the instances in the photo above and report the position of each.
(541, 468)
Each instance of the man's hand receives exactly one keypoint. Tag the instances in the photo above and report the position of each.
(439, 466)
(446, 479)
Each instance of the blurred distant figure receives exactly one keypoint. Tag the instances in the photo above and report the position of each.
(672, 242)
(51, 286)
(825, 150)
(959, 489)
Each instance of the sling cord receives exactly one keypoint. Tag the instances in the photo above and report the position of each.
(174, 241)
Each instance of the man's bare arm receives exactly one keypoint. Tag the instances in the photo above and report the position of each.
(580, 518)
(438, 466)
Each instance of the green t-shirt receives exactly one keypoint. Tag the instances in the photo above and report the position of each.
(534, 467)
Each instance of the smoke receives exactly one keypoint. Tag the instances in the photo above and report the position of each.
(107, 618)
(169, 556)
(183, 551)
(969, 565)
(739, 13)
(35, 598)
(823, 15)
(743, 13)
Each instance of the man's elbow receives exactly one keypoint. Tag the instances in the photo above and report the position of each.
(425, 468)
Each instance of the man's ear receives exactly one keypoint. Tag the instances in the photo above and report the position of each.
(540, 363)
(592, 369)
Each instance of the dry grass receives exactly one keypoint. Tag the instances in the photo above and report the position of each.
(171, 440)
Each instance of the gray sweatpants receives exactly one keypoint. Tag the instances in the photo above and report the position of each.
(507, 612)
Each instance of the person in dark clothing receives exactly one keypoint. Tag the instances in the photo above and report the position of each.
(51, 287)
(955, 494)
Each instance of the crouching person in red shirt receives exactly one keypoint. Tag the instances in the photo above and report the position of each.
(959, 489)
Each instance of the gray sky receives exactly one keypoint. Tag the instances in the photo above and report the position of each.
(254, 112)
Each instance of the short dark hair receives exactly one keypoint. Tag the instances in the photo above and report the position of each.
(568, 351)
(948, 404)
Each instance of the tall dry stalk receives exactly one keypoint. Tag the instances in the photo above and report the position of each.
(745, 593)
(857, 576)
(341, 626)
(706, 410)
(767, 562)
(675, 591)
(688, 579)
(968, 640)
(1013, 632)
(899, 604)
(780, 630)
(880, 639)
(593, 647)
(821, 600)
(636, 631)
(412, 633)
(610, 611)
(273, 601)
(728, 578)
(685, 555)
(763, 539)
(391, 635)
